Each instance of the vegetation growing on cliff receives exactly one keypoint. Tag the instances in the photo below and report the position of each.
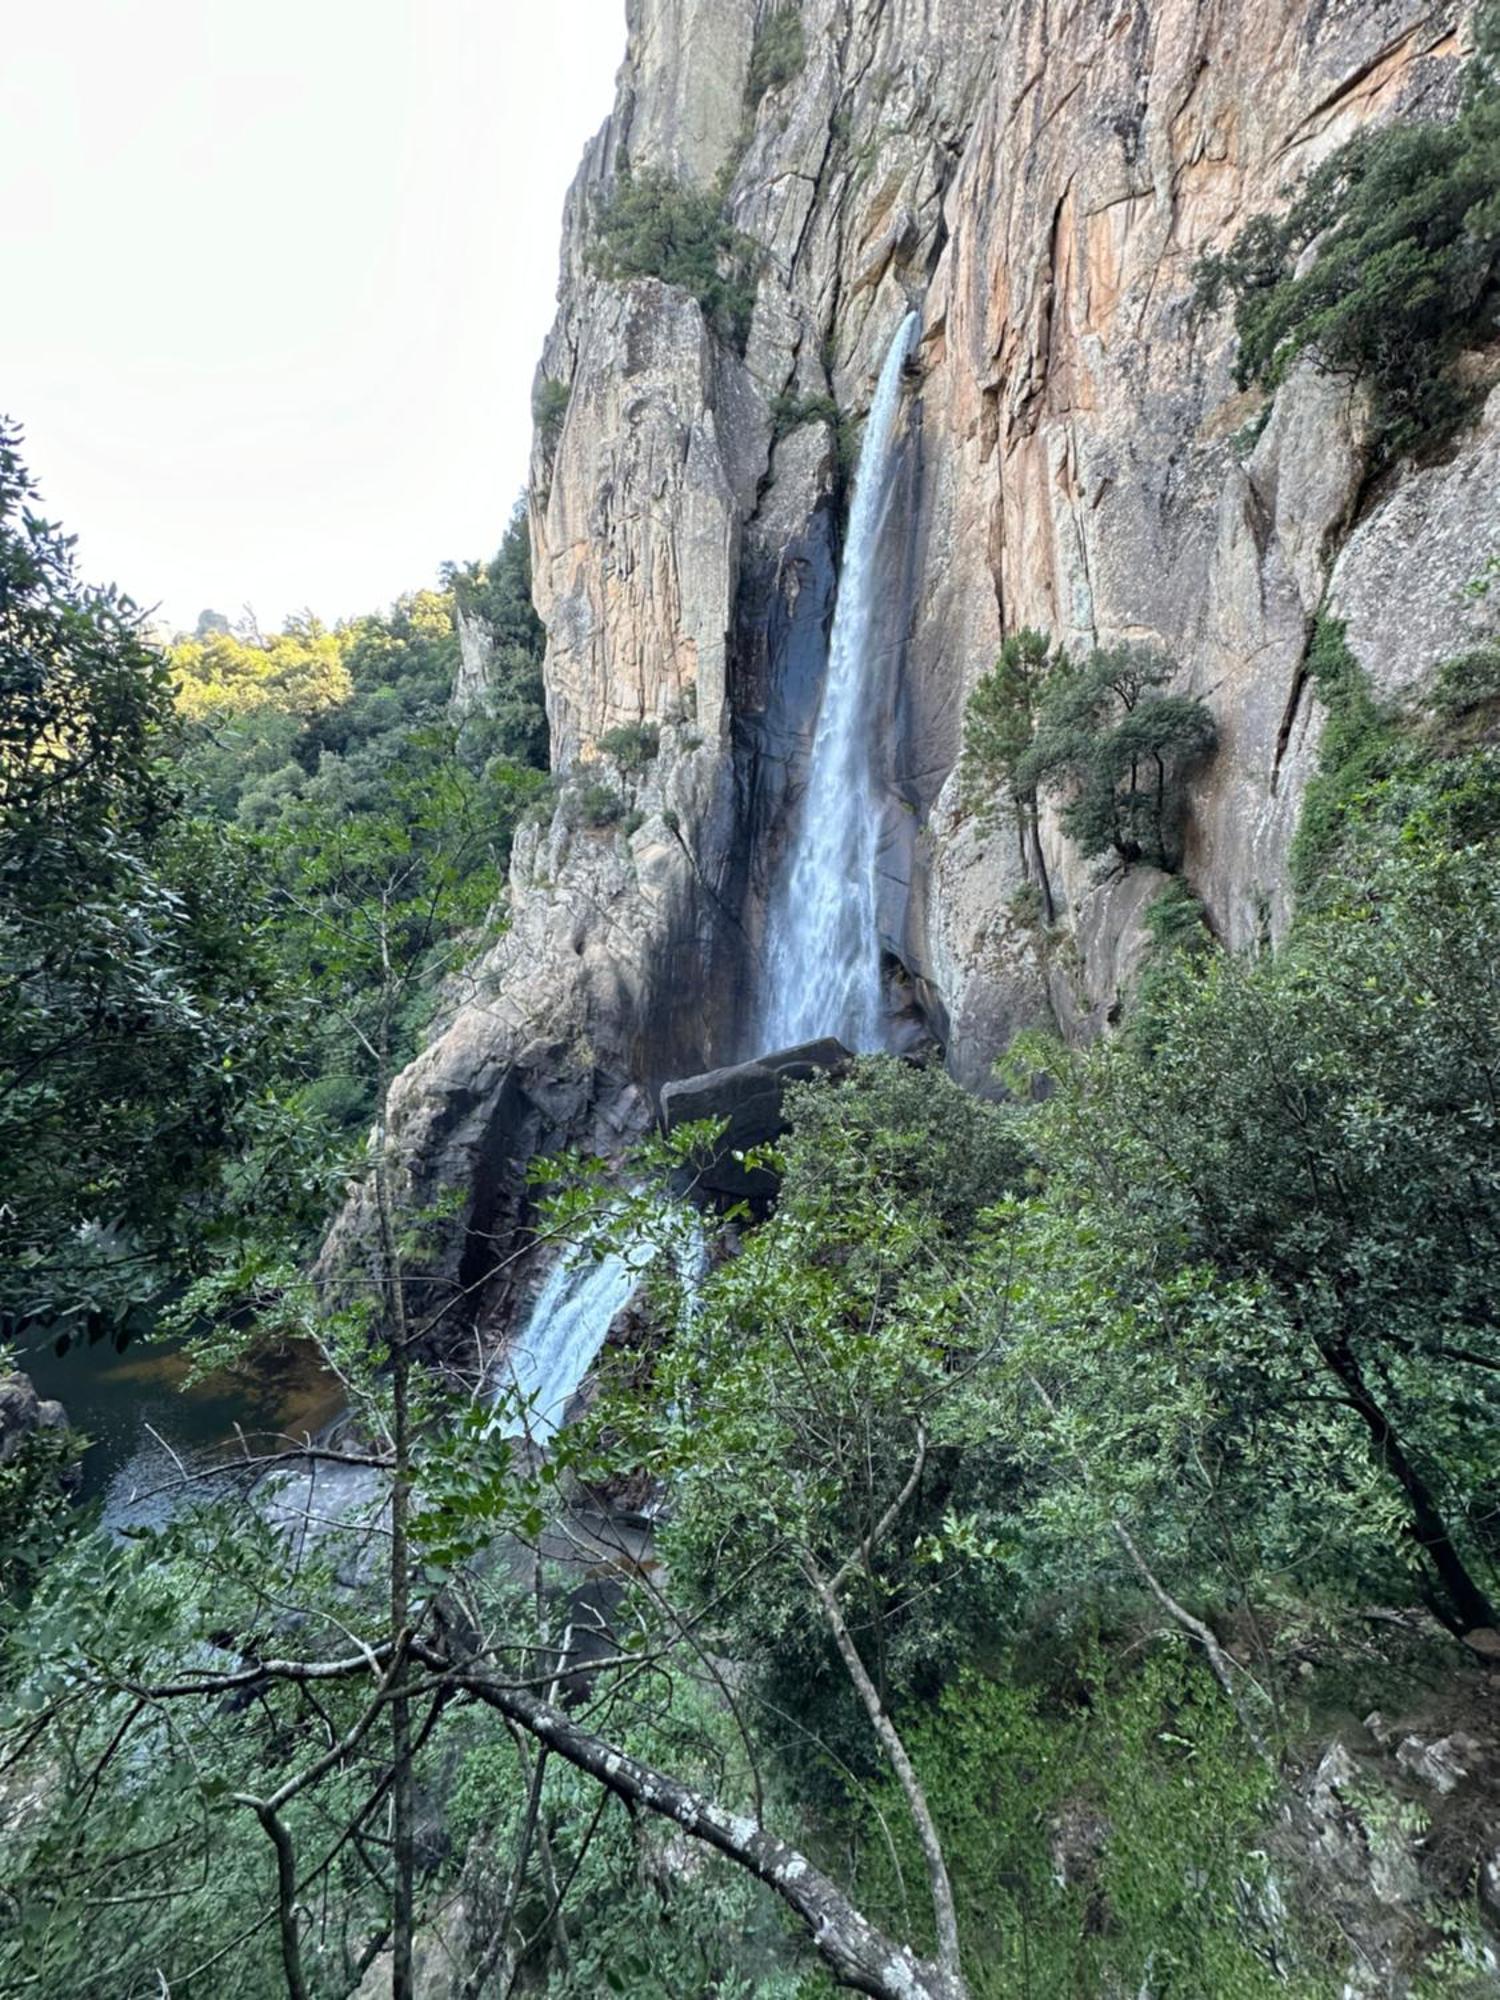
(1385, 265)
(653, 226)
(1101, 735)
(778, 55)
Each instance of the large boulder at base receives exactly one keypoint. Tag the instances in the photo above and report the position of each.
(749, 1096)
(23, 1413)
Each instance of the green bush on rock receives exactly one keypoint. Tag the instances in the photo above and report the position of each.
(1383, 267)
(653, 226)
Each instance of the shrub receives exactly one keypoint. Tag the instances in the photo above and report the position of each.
(789, 412)
(654, 227)
(1360, 746)
(1466, 687)
(633, 745)
(779, 53)
(592, 804)
(549, 405)
(1404, 224)
(906, 1134)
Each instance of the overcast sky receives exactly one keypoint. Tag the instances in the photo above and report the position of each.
(274, 278)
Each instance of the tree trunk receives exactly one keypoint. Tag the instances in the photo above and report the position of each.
(1033, 823)
(860, 1957)
(945, 1916)
(1470, 1607)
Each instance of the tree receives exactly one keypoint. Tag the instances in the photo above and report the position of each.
(1108, 738)
(299, 671)
(1383, 267)
(138, 1000)
(1315, 1237)
(1000, 722)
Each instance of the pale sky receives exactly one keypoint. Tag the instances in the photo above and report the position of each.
(274, 277)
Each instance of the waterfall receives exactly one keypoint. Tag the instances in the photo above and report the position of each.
(561, 1339)
(822, 960)
(541, 1370)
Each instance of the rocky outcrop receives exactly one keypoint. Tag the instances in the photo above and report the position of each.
(476, 663)
(747, 1100)
(1040, 181)
(23, 1414)
(26, 1417)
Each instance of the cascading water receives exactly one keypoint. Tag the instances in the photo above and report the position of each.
(822, 959)
(541, 1370)
(563, 1334)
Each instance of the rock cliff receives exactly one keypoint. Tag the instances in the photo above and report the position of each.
(1039, 180)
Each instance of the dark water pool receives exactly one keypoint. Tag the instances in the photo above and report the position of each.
(118, 1400)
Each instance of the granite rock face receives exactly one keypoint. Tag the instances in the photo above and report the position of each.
(1039, 181)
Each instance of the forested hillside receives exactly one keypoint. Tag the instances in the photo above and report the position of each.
(1000, 1500)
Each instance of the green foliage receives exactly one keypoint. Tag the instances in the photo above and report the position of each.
(592, 804)
(1000, 722)
(787, 1415)
(789, 411)
(1105, 1833)
(36, 1481)
(1099, 733)
(653, 226)
(778, 55)
(1177, 926)
(633, 745)
(897, 1133)
(380, 794)
(299, 671)
(1465, 690)
(1294, 1223)
(1383, 267)
(138, 1000)
(639, 1925)
(549, 407)
(513, 723)
(1360, 746)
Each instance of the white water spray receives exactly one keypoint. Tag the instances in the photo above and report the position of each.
(542, 1369)
(822, 963)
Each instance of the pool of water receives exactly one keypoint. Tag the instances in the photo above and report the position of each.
(137, 1410)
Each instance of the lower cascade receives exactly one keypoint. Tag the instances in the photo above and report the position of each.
(562, 1336)
(822, 959)
(545, 1364)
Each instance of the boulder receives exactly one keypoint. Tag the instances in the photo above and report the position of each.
(23, 1413)
(749, 1096)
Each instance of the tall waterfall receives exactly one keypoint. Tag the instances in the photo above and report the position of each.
(822, 959)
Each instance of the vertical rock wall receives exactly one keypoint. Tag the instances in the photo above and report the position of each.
(1040, 179)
